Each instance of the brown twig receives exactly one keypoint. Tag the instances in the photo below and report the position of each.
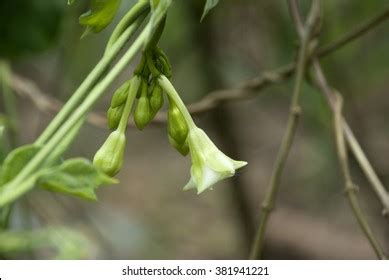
(335, 101)
(270, 197)
(355, 147)
(356, 33)
(350, 188)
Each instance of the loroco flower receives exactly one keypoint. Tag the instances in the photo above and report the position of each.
(209, 164)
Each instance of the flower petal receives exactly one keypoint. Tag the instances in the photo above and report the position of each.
(209, 164)
(190, 185)
(210, 177)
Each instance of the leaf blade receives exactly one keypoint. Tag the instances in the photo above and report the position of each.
(209, 5)
(78, 177)
(100, 15)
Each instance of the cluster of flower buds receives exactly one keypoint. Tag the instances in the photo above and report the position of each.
(109, 158)
(148, 85)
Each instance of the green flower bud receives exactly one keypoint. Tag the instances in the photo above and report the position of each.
(162, 62)
(109, 158)
(183, 148)
(156, 99)
(177, 126)
(114, 115)
(142, 114)
(120, 95)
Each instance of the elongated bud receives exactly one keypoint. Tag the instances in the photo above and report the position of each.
(177, 126)
(165, 67)
(120, 95)
(109, 158)
(142, 114)
(114, 115)
(156, 99)
(183, 148)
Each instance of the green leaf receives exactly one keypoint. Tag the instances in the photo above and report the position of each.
(209, 5)
(15, 161)
(101, 14)
(77, 177)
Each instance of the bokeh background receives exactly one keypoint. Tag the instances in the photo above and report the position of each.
(148, 216)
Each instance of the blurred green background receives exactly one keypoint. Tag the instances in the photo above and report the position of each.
(148, 216)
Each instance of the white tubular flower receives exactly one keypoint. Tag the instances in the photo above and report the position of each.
(209, 164)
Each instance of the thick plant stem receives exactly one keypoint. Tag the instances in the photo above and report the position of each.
(350, 188)
(18, 185)
(92, 78)
(295, 111)
(141, 7)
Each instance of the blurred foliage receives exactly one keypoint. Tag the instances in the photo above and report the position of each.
(28, 27)
(62, 243)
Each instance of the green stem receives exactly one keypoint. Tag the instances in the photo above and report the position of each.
(135, 83)
(64, 145)
(139, 8)
(92, 78)
(157, 35)
(17, 187)
(173, 94)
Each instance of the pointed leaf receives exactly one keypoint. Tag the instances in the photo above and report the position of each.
(77, 177)
(101, 14)
(209, 5)
(15, 161)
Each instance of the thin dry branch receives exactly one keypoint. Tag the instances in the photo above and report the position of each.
(355, 147)
(335, 101)
(306, 37)
(350, 188)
